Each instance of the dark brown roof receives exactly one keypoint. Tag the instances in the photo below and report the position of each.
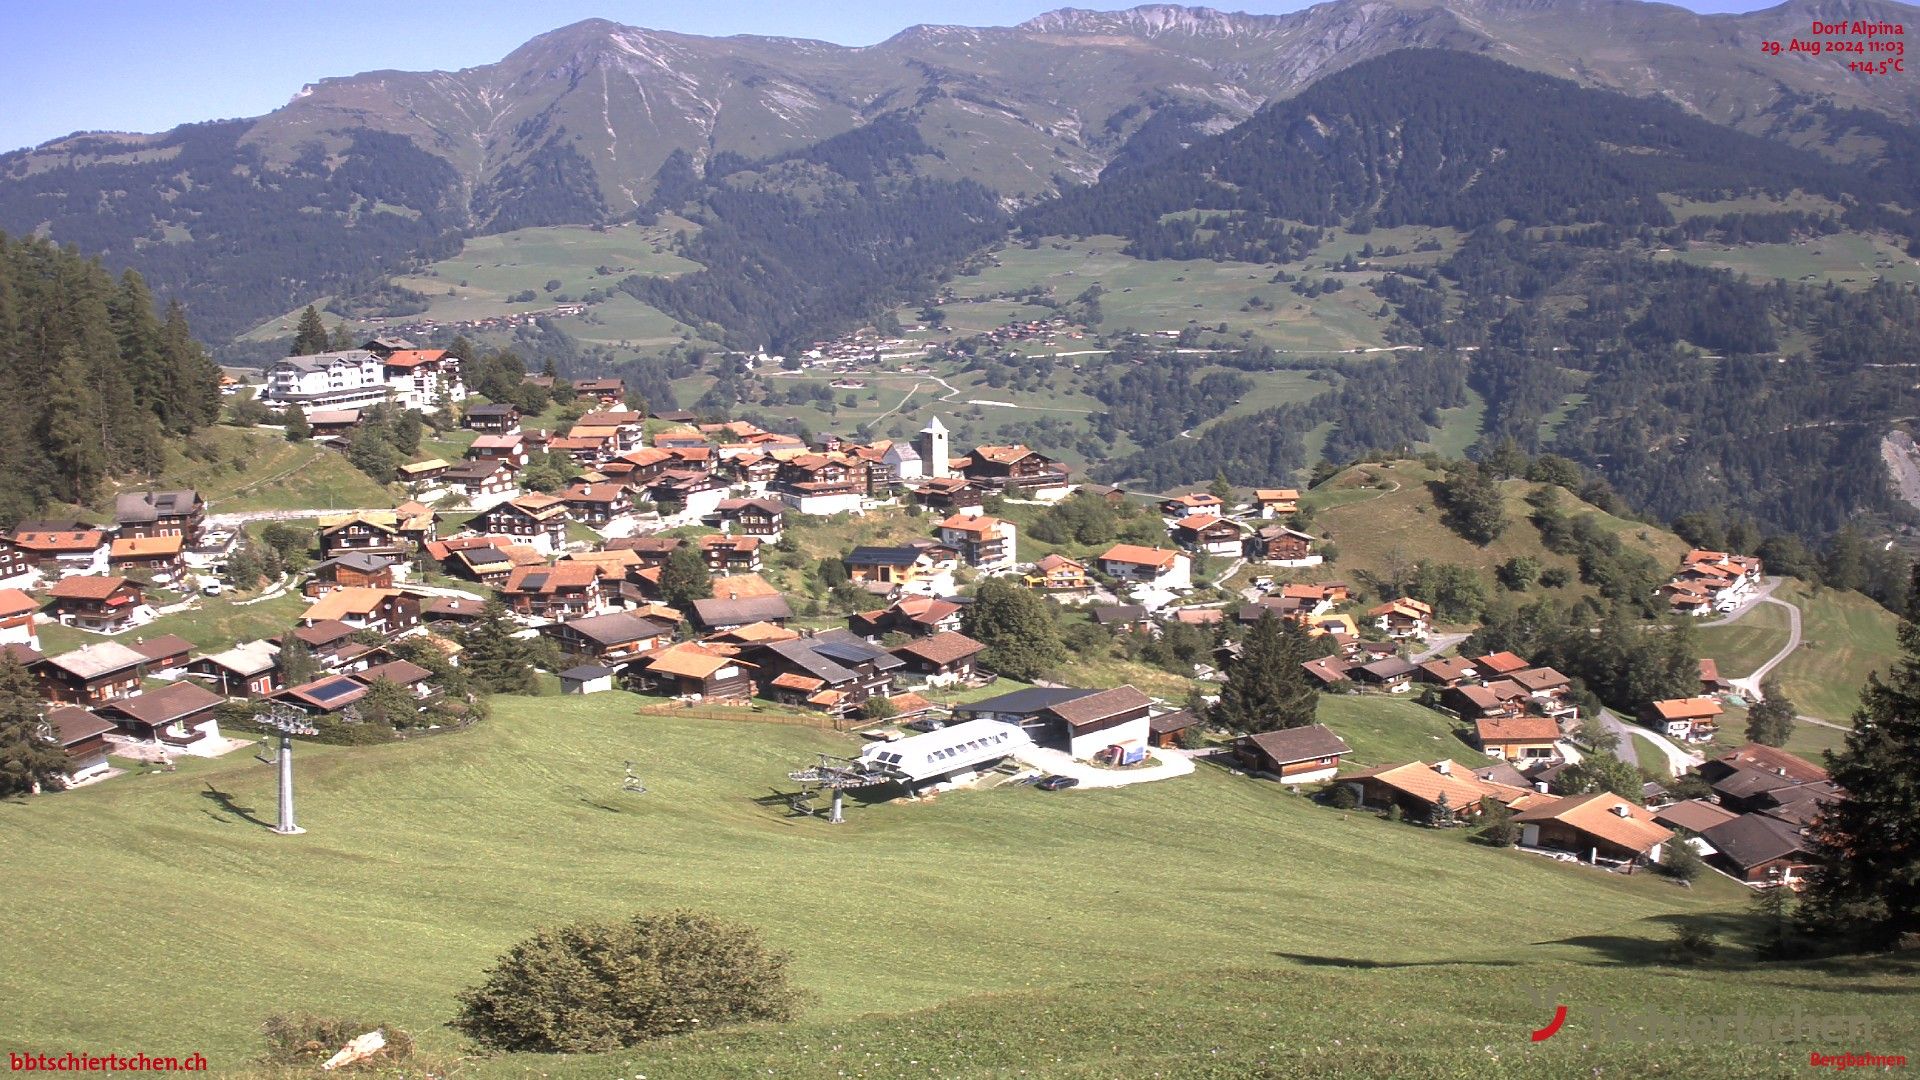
(323, 632)
(163, 646)
(1752, 839)
(1096, 707)
(1168, 722)
(1770, 759)
(71, 724)
(399, 672)
(1309, 743)
(163, 706)
(944, 647)
(1693, 815)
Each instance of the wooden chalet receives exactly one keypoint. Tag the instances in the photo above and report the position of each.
(1276, 502)
(565, 590)
(91, 675)
(832, 670)
(1530, 739)
(250, 669)
(537, 520)
(1598, 826)
(140, 514)
(940, 659)
(387, 611)
(1299, 755)
(491, 419)
(763, 519)
(353, 570)
(612, 639)
(178, 714)
(1209, 534)
(915, 616)
(1017, 471)
(694, 670)
(1058, 575)
(104, 605)
(596, 504)
(83, 737)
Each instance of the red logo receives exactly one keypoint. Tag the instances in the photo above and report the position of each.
(1553, 1026)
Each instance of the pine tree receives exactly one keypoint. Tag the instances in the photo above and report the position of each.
(1770, 720)
(298, 430)
(495, 660)
(1017, 627)
(1220, 488)
(685, 578)
(194, 377)
(28, 757)
(70, 432)
(1266, 688)
(1866, 888)
(310, 336)
(297, 665)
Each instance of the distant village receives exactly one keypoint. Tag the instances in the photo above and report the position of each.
(585, 568)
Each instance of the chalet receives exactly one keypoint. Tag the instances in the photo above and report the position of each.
(605, 391)
(1058, 575)
(387, 611)
(694, 491)
(822, 483)
(985, 543)
(423, 472)
(353, 570)
(347, 379)
(332, 424)
(1530, 739)
(423, 379)
(178, 714)
(1198, 502)
(1497, 699)
(629, 426)
(104, 605)
(1549, 690)
(563, 591)
(61, 547)
(832, 670)
(327, 640)
(509, 449)
(1127, 617)
(1210, 534)
(915, 616)
(539, 521)
(611, 639)
(250, 669)
(179, 513)
(1393, 674)
(950, 495)
(166, 655)
(596, 504)
(1599, 826)
(92, 675)
(1687, 719)
(939, 659)
(1762, 758)
(1447, 671)
(1017, 471)
(1331, 670)
(492, 419)
(1403, 618)
(325, 695)
(457, 610)
(1500, 663)
(695, 670)
(488, 564)
(728, 613)
(1282, 546)
(1299, 755)
(482, 477)
(1084, 726)
(84, 738)
(760, 518)
(405, 674)
(755, 472)
(1276, 502)
(16, 618)
(16, 566)
(1159, 568)
(370, 532)
(1711, 681)
(649, 550)
(1420, 789)
(730, 554)
(1760, 850)
(926, 568)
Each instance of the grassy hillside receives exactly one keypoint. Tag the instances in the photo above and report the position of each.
(1380, 514)
(425, 860)
(238, 469)
(1742, 646)
(1843, 637)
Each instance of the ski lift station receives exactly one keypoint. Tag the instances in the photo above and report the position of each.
(955, 752)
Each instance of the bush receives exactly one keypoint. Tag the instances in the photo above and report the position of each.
(1341, 797)
(308, 1040)
(1679, 861)
(1690, 945)
(597, 986)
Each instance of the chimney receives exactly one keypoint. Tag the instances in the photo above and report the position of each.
(1620, 810)
(1444, 768)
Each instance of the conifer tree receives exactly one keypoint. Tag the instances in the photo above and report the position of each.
(295, 421)
(27, 756)
(310, 336)
(1770, 720)
(70, 435)
(1266, 688)
(1866, 888)
(494, 658)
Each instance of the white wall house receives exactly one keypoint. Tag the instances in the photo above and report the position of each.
(348, 379)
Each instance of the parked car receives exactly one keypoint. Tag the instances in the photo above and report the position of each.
(1058, 783)
(211, 588)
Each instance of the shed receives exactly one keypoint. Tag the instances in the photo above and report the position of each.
(586, 679)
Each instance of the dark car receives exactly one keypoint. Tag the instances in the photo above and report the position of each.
(1056, 783)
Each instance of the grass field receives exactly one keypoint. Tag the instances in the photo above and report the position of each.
(1376, 514)
(1150, 295)
(216, 624)
(258, 469)
(1742, 646)
(1386, 730)
(425, 860)
(1849, 259)
(1844, 636)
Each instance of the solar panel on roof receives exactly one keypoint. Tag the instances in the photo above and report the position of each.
(335, 689)
(846, 651)
(536, 581)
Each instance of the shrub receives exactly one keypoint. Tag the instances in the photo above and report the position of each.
(1679, 861)
(305, 1039)
(597, 986)
(1342, 797)
(1690, 945)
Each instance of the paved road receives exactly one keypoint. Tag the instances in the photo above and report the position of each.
(1436, 645)
(1764, 592)
(1627, 750)
(1750, 685)
(1623, 746)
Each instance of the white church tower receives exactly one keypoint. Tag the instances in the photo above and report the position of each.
(936, 457)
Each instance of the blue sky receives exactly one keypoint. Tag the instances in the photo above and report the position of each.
(142, 65)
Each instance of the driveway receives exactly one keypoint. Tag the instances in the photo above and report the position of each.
(1166, 765)
(1750, 685)
(1764, 592)
(1678, 760)
(1436, 645)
